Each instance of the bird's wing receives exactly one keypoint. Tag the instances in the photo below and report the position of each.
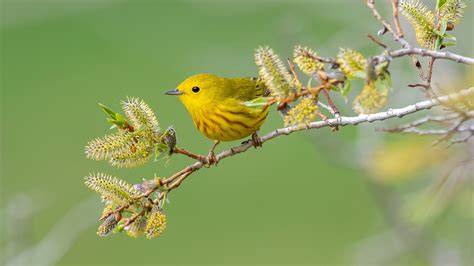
(246, 89)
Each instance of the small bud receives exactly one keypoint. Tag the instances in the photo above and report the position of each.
(450, 26)
(169, 139)
(147, 185)
(107, 226)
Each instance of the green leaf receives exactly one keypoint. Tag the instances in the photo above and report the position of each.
(443, 27)
(107, 110)
(446, 44)
(440, 3)
(256, 103)
(449, 37)
(384, 83)
(439, 41)
(161, 150)
(308, 85)
(114, 118)
(119, 119)
(347, 88)
(360, 74)
(381, 68)
(119, 228)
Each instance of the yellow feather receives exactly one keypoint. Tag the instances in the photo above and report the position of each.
(215, 105)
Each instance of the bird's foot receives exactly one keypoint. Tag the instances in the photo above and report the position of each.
(211, 158)
(257, 142)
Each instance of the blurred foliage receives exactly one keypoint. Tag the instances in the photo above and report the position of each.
(68, 55)
(405, 158)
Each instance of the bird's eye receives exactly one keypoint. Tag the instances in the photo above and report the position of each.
(195, 89)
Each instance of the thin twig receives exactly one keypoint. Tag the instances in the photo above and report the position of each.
(424, 120)
(331, 103)
(189, 154)
(327, 108)
(398, 38)
(376, 41)
(429, 75)
(395, 18)
(450, 132)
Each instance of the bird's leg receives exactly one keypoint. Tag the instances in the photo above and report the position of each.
(257, 142)
(211, 157)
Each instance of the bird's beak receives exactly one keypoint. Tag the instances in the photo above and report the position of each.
(174, 92)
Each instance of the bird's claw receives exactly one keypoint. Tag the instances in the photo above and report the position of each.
(257, 142)
(210, 160)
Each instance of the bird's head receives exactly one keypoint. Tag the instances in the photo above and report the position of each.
(199, 90)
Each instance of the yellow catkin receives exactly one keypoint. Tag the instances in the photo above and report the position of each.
(351, 62)
(370, 99)
(306, 59)
(421, 19)
(304, 112)
(452, 11)
(156, 223)
(108, 146)
(111, 188)
(140, 114)
(273, 72)
(138, 154)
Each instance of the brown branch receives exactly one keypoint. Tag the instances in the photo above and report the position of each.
(395, 18)
(293, 72)
(331, 103)
(189, 154)
(429, 76)
(376, 41)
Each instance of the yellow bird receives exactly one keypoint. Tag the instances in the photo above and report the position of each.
(216, 106)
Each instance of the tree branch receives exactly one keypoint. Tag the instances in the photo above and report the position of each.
(176, 179)
(432, 54)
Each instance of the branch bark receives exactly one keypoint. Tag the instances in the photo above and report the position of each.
(432, 54)
(176, 179)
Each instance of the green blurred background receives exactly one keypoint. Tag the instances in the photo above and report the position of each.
(301, 199)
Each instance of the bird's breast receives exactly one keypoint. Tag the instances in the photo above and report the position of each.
(227, 122)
